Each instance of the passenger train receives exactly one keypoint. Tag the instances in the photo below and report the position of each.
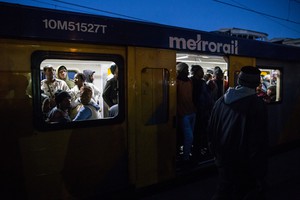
(138, 148)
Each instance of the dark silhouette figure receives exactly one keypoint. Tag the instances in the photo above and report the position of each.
(238, 138)
(202, 99)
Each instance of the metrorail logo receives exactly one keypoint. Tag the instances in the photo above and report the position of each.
(202, 45)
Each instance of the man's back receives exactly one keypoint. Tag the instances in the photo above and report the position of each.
(238, 129)
(238, 138)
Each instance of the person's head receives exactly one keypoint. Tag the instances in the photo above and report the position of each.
(79, 79)
(49, 72)
(62, 100)
(197, 70)
(249, 76)
(114, 70)
(86, 94)
(210, 71)
(62, 72)
(218, 73)
(89, 75)
(182, 69)
(207, 77)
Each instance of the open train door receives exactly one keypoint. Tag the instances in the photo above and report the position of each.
(235, 65)
(151, 110)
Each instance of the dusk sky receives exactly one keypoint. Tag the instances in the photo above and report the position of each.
(279, 19)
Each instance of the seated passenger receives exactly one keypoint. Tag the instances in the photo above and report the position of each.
(60, 113)
(90, 110)
(110, 92)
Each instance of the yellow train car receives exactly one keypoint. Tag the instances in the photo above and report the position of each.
(138, 147)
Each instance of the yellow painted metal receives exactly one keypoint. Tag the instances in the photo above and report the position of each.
(235, 64)
(155, 144)
(72, 161)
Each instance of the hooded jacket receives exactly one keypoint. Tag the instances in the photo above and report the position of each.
(88, 74)
(69, 82)
(238, 130)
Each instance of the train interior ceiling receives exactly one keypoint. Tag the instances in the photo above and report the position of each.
(207, 62)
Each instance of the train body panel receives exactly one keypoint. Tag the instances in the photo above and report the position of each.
(137, 147)
(155, 109)
(284, 116)
(56, 159)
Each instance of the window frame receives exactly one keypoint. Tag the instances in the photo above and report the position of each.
(280, 69)
(38, 57)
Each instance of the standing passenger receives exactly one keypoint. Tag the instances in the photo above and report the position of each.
(89, 79)
(238, 135)
(186, 110)
(218, 80)
(271, 94)
(203, 101)
(110, 92)
(62, 74)
(50, 84)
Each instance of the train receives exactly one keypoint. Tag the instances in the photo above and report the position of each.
(137, 148)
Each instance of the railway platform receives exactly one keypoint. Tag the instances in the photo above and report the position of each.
(283, 182)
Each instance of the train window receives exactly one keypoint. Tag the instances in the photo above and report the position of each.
(75, 89)
(155, 96)
(270, 88)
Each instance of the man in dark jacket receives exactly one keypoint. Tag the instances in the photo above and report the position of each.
(238, 138)
(110, 92)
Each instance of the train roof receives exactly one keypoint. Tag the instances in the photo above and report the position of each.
(243, 33)
(18, 21)
(287, 41)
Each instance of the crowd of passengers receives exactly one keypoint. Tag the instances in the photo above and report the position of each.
(64, 100)
(205, 89)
